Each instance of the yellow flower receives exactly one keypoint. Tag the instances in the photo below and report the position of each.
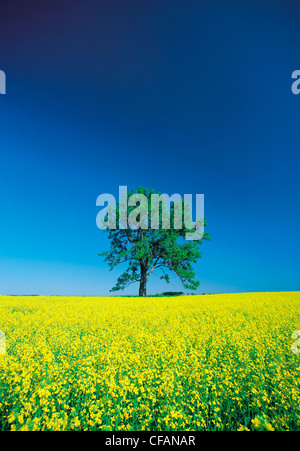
(256, 423)
(122, 363)
(76, 422)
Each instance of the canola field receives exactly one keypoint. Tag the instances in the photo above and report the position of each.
(213, 362)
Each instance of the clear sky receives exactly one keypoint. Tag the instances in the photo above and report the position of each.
(181, 96)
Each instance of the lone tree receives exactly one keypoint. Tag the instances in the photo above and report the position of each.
(146, 249)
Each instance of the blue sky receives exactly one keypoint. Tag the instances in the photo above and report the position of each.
(180, 96)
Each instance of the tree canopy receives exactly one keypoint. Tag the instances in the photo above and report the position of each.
(145, 250)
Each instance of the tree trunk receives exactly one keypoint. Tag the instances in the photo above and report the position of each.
(143, 281)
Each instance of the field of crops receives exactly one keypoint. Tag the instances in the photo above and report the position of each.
(214, 362)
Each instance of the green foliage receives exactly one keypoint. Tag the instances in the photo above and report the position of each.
(145, 250)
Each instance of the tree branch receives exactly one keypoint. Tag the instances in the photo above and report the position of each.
(128, 237)
(153, 267)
